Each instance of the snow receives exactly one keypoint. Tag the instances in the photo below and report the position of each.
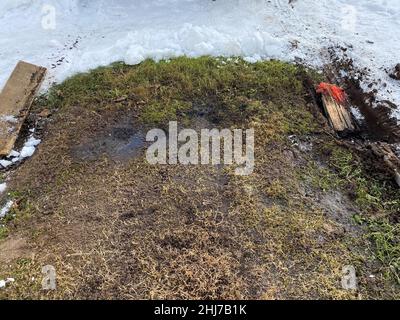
(29, 148)
(32, 142)
(9, 119)
(4, 211)
(13, 154)
(70, 36)
(3, 187)
(27, 151)
(5, 163)
(356, 113)
(3, 283)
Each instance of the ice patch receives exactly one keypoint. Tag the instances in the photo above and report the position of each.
(3, 187)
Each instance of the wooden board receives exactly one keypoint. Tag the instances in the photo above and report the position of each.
(339, 117)
(16, 100)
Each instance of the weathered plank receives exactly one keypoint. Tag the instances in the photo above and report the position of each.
(338, 115)
(16, 100)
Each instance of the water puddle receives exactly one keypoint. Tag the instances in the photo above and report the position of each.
(119, 143)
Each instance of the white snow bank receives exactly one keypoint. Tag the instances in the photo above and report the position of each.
(70, 36)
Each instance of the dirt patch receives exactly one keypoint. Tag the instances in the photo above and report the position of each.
(377, 123)
(12, 249)
(341, 209)
(396, 74)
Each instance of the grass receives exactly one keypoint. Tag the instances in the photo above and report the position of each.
(173, 90)
(377, 198)
(121, 228)
(3, 232)
(158, 114)
(19, 212)
(386, 238)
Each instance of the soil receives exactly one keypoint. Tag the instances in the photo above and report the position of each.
(13, 248)
(377, 123)
(396, 74)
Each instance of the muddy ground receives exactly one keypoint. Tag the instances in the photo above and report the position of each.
(116, 227)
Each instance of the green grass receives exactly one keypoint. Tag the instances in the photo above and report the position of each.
(378, 200)
(386, 238)
(222, 90)
(159, 114)
(3, 231)
(19, 212)
(321, 177)
(371, 193)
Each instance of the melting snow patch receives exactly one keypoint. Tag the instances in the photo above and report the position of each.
(6, 208)
(27, 151)
(5, 163)
(9, 119)
(3, 283)
(13, 154)
(29, 148)
(3, 187)
(356, 113)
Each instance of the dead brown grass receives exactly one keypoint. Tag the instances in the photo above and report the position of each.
(123, 229)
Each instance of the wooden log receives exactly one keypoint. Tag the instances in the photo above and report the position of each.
(16, 100)
(338, 115)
